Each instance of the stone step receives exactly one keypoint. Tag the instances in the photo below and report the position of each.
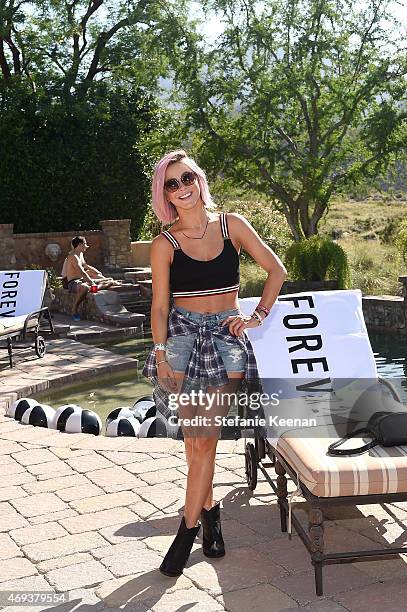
(138, 275)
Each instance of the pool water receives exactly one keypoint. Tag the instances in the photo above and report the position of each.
(122, 389)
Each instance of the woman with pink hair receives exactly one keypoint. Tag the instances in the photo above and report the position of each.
(199, 340)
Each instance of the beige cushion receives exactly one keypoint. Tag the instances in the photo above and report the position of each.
(9, 325)
(380, 470)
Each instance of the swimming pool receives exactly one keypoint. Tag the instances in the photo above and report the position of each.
(105, 394)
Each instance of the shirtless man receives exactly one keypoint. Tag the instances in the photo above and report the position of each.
(80, 276)
(75, 270)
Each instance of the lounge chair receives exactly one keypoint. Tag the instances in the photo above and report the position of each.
(339, 341)
(21, 298)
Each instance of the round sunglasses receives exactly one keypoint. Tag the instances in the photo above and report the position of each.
(173, 184)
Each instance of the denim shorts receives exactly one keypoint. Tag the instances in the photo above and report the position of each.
(179, 348)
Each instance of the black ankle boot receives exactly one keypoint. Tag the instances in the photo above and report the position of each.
(179, 551)
(212, 541)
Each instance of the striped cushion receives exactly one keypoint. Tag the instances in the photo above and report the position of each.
(380, 470)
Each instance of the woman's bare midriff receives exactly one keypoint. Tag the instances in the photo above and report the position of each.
(209, 304)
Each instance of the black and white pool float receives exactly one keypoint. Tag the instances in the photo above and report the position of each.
(144, 408)
(17, 408)
(123, 425)
(39, 415)
(71, 418)
(153, 427)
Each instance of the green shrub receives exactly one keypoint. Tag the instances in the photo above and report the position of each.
(268, 222)
(401, 241)
(252, 279)
(318, 259)
(389, 232)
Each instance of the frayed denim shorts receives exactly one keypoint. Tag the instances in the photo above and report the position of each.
(179, 348)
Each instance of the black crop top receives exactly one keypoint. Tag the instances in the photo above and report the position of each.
(191, 277)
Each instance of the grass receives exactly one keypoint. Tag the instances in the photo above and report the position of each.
(365, 229)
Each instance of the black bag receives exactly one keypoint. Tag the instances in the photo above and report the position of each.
(386, 429)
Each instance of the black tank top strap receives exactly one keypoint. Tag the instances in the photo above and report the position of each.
(171, 239)
(224, 225)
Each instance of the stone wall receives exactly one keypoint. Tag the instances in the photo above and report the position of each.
(141, 253)
(387, 313)
(104, 307)
(110, 247)
(7, 254)
(30, 249)
(116, 244)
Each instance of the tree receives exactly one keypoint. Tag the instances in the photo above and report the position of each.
(65, 46)
(297, 99)
(78, 85)
(68, 167)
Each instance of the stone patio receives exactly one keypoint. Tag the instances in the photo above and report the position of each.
(93, 517)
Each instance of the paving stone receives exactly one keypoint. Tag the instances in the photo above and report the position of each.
(115, 534)
(85, 597)
(41, 503)
(34, 582)
(243, 567)
(6, 508)
(80, 492)
(6, 460)
(161, 543)
(37, 533)
(123, 548)
(192, 598)
(115, 488)
(7, 447)
(30, 457)
(169, 498)
(231, 463)
(9, 425)
(55, 516)
(124, 457)
(160, 476)
(98, 520)
(16, 479)
(50, 469)
(143, 509)
(77, 576)
(139, 561)
(51, 564)
(104, 502)
(259, 597)
(380, 596)
(8, 547)
(89, 463)
(337, 579)
(25, 433)
(114, 476)
(15, 492)
(66, 545)
(123, 592)
(16, 567)
(68, 453)
(152, 465)
(56, 484)
(292, 555)
(7, 469)
(238, 535)
(12, 521)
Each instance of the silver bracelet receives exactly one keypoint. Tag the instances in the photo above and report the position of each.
(160, 346)
(256, 315)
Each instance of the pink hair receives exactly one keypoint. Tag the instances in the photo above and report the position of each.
(165, 211)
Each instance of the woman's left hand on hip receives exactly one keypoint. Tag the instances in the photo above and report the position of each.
(238, 323)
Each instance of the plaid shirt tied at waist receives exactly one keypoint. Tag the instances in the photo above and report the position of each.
(205, 367)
